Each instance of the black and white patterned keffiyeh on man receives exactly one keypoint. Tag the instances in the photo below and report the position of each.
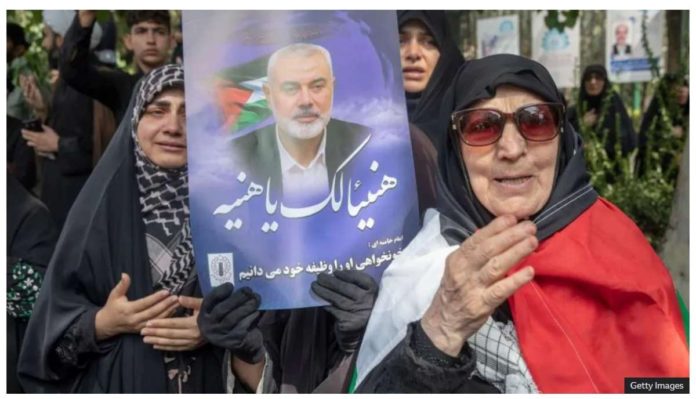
(131, 218)
(163, 196)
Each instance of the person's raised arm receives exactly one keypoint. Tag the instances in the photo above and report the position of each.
(76, 68)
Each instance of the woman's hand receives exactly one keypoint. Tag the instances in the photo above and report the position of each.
(121, 316)
(44, 143)
(32, 95)
(590, 118)
(677, 132)
(474, 282)
(178, 333)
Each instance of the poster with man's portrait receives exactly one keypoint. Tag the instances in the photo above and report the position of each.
(299, 151)
(626, 55)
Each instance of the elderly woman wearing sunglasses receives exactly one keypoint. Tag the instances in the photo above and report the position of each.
(523, 280)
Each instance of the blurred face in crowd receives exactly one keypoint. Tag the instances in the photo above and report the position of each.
(14, 50)
(682, 94)
(51, 41)
(150, 43)
(48, 41)
(513, 175)
(162, 129)
(300, 94)
(419, 55)
(594, 84)
(10, 50)
(621, 33)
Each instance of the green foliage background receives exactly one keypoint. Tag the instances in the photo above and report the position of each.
(37, 59)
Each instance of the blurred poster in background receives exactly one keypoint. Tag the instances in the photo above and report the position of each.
(498, 35)
(558, 51)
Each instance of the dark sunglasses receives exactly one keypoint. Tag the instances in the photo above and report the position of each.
(484, 126)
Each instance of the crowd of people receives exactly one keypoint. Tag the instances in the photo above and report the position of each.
(522, 278)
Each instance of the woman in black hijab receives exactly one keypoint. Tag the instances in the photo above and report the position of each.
(600, 112)
(429, 60)
(523, 280)
(117, 311)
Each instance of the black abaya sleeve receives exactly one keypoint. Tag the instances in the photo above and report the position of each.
(627, 132)
(77, 344)
(111, 87)
(415, 365)
(305, 355)
(573, 117)
(75, 155)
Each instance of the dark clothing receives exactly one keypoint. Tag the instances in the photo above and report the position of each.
(306, 357)
(416, 366)
(426, 108)
(612, 119)
(425, 163)
(20, 157)
(31, 233)
(111, 87)
(655, 135)
(437, 372)
(31, 237)
(612, 123)
(615, 49)
(258, 151)
(104, 237)
(63, 177)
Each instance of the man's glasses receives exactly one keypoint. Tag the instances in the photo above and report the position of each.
(484, 126)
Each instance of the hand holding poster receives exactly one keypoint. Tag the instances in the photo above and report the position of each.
(299, 152)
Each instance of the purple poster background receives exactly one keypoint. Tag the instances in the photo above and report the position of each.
(242, 232)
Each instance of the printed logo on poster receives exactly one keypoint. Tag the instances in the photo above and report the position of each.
(221, 268)
(555, 41)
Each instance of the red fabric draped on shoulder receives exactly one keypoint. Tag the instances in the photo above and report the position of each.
(601, 307)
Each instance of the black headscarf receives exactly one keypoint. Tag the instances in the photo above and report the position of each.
(593, 102)
(428, 103)
(462, 213)
(103, 237)
(609, 108)
(31, 232)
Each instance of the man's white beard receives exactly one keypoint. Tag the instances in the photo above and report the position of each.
(304, 131)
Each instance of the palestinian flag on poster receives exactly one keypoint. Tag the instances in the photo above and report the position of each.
(239, 96)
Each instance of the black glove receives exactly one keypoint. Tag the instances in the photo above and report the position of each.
(229, 319)
(351, 294)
